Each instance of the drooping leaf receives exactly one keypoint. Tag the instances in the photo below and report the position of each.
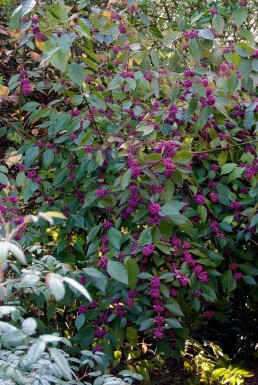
(76, 73)
(78, 286)
(227, 168)
(56, 285)
(239, 16)
(145, 237)
(117, 271)
(115, 238)
(133, 271)
(218, 23)
(61, 362)
(35, 352)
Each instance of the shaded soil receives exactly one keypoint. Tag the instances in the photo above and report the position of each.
(253, 380)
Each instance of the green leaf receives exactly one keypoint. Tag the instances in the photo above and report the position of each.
(3, 179)
(76, 73)
(145, 20)
(218, 23)
(199, 89)
(117, 271)
(254, 220)
(99, 278)
(228, 282)
(99, 158)
(145, 237)
(247, 34)
(30, 155)
(146, 130)
(248, 269)
(196, 305)
(93, 232)
(183, 157)
(171, 37)
(133, 272)
(239, 16)
(80, 320)
(172, 208)
(243, 49)
(227, 168)
(27, 6)
(195, 49)
(47, 55)
(61, 362)
(60, 59)
(125, 179)
(115, 83)
(203, 117)
(202, 212)
(77, 286)
(92, 272)
(115, 238)
(155, 87)
(176, 310)
(206, 34)
(245, 68)
(155, 59)
(146, 324)
(174, 323)
(233, 83)
(191, 109)
(86, 32)
(48, 157)
(155, 32)
(249, 280)
(236, 173)
(209, 293)
(60, 177)
(58, 11)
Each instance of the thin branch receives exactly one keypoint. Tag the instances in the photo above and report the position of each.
(19, 130)
(94, 121)
(225, 148)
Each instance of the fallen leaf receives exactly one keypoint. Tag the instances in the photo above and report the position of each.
(14, 98)
(35, 56)
(39, 44)
(13, 159)
(144, 348)
(102, 57)
(107, 13)
(3, 90)
(34, 132)
(3, 31)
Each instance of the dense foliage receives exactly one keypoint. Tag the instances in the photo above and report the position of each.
(138, 122)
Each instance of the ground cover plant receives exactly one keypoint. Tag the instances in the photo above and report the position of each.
(129, 133)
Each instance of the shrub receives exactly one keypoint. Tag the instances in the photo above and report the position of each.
(144, 136)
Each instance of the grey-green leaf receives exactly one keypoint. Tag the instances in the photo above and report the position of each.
(239, 16)
(117, 271)
(35, 351)
(56, 286)
(61, 362)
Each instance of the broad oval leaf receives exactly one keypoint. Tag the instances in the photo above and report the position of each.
(117, 271)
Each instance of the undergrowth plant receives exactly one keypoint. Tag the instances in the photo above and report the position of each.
(209, 365)
(30, 352)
